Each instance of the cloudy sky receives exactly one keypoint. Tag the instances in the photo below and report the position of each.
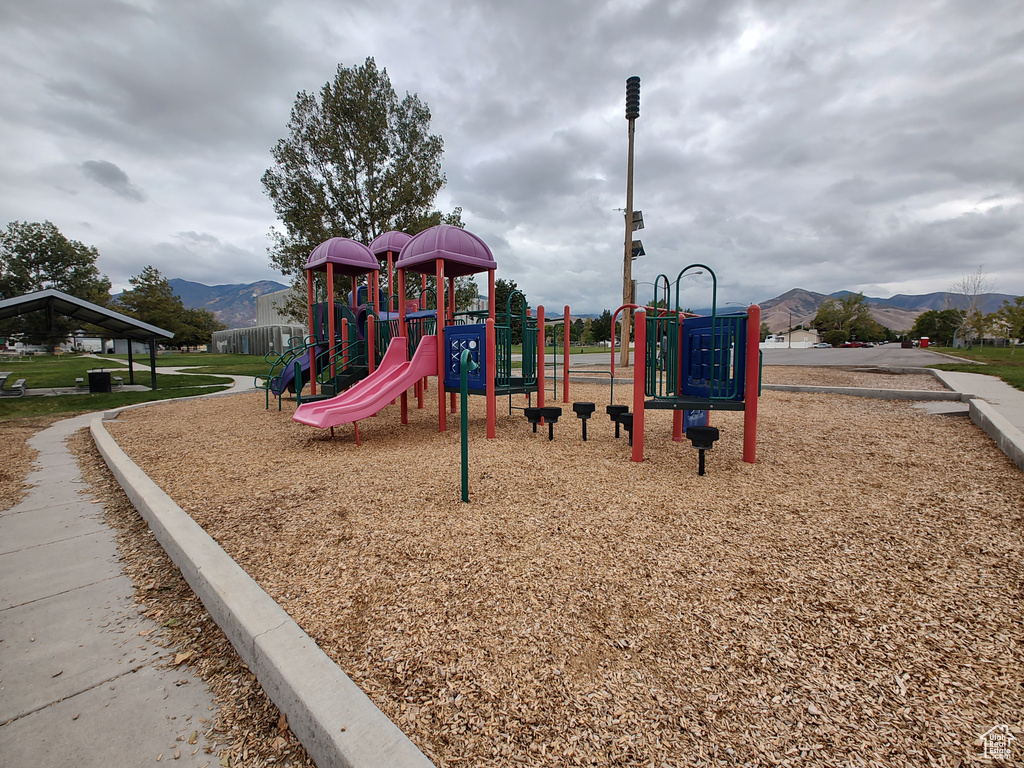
(862, 145)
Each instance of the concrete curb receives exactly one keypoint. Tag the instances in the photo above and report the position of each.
(335, 721)
(881, 394)
(1009, 439)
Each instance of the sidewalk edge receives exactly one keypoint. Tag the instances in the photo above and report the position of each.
(1007, 437)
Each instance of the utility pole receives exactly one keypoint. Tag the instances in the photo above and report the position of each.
(632, 113)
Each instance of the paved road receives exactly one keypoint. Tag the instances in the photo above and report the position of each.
(887, 354)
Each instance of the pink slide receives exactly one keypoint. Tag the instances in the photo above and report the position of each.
(393, 377)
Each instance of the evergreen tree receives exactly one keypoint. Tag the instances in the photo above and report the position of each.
(602, 327)
(152, 300)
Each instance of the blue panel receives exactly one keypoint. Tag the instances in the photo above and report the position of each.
(694, 419)
(458, 338)
(714, 358)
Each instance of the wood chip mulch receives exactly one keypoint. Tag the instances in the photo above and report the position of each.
(854, 598)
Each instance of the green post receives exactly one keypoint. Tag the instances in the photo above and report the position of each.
(466, 365)
(297, 379)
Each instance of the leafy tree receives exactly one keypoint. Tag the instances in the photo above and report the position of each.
(939, 325)
(601, 327)
(197, 327)
(765, 330)
(964, 295)
(849, 314)
(502, 290)
(587, 336)
(1011, 316)
(357, 162)
(34, 257)
(835, 337)
(576, 331)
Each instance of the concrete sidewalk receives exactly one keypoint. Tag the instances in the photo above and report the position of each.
(79, 684)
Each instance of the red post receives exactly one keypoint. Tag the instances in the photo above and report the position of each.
(490, 294)
(312, 332)
(639, 370)
(492, 359)
(331, 330)
(750, 383)
(451, 319)
(309, 299)
(402, 330)
(677, 426)
(442, 424)
(565, 356)
(492, 400)
(540, 357)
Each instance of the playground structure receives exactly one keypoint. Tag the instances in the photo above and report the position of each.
(693, 365)
(373, 348)
(363, 358)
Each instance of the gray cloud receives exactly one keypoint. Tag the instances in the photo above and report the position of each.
(113, 178)
(795, 143)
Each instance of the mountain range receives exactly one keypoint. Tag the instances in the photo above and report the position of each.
(897, 313)
(235, 304)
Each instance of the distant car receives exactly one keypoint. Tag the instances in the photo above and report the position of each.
(868, 344)
(822, 345)
(850, 344)
(906, 344)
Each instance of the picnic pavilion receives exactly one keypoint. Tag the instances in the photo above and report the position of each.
(54, 302)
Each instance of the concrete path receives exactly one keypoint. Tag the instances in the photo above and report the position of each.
(79, 684)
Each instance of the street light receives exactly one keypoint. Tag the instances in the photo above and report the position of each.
(632, 113)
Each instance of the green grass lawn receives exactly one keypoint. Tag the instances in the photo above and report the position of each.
(203, 362)
(1006, 363)
(517, 349)
(49, 371)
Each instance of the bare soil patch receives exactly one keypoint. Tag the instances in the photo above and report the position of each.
(846, 377)
(854, 597)
(18, 457)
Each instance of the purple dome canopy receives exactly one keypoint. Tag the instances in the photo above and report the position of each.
(389, 241)
(462, 252)
(347, 256)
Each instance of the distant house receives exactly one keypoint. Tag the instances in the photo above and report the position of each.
(801, 339)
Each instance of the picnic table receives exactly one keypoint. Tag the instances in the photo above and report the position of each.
(16, 390)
